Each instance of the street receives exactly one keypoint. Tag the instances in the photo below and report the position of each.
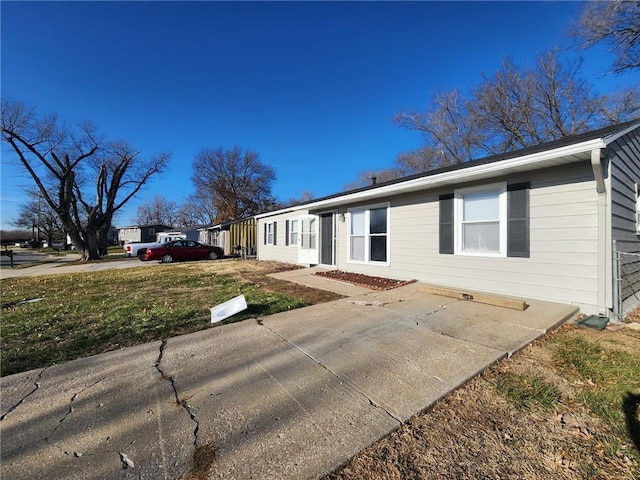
(22, 256)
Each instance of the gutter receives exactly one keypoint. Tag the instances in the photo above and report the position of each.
(603, 226)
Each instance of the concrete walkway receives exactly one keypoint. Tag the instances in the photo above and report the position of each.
(288, 396)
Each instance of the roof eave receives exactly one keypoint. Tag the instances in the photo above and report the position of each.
(535, 161)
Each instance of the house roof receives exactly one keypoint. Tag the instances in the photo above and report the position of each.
(149, 225)
(226, 225)
(192, 228)
(576, 148)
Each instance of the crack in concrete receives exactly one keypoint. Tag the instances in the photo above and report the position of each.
(369, 303)
(181, 403)
(69, 412)
(433, 312)
(36, 384)
(336, 374)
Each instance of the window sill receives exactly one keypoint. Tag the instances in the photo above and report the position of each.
(375, 264)
(479, 254)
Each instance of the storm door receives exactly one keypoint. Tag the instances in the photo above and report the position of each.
(327, 239)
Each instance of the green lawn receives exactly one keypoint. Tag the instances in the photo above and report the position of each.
(87, 313)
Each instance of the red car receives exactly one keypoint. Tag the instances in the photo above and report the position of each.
(182, 250)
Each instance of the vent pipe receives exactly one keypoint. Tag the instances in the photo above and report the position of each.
(374, 180)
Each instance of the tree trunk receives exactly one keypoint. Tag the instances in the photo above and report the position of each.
(92, 248)
(103, 238)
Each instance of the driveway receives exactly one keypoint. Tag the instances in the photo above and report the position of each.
(292, 395)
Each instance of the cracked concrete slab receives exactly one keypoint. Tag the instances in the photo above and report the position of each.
(292, 395)
(269, 410)
(22, 386)
(380, 353)
(87, 412)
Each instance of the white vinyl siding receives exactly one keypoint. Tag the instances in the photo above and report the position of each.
(280, 252)
(563, 228)
(562, 265)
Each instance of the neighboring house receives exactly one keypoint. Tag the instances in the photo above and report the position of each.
(112, 238)
(539, 223)
(191, 233)
(234, 237)
(140, 233)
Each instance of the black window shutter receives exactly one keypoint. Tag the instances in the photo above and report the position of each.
(286, 232)
(446, 223)
(275, 233)
(518, 220)
(265, 233)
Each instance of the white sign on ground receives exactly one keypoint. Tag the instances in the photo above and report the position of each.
(228, 308)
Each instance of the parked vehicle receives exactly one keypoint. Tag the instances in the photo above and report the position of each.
(183, 250)
(138, 249)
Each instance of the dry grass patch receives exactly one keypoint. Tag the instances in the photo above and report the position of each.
(559, 409)
(87, 313)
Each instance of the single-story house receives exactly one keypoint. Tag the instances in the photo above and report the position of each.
(191, 233)
(140, 233)
(234, 237)
(540, 223)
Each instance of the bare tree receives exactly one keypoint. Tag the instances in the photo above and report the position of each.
(14, 236)
(37, 215)
(512, 109)
(371, 177)
(199, 209)
(83, 178)
(158, 210)
(188, 217)
(621, 106)
(450, 135)
(518, 107)
(615, 23)
(305, 196)
(236, 181)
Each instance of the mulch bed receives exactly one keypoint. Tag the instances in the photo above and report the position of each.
(375, 283)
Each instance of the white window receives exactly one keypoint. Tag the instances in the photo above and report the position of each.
(293, 232)
(308, 233)
(269, 233)
(481, 220)
(368, 234)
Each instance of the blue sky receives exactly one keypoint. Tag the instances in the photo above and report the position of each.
(311, 86)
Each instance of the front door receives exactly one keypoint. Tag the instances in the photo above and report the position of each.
(308, 241)
(327, 239)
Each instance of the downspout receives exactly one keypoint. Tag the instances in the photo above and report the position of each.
(596, 165)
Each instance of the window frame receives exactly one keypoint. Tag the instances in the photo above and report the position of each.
(215, 237)
(292, 232)
(368, 235)
(459, 194)
(269, 231)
